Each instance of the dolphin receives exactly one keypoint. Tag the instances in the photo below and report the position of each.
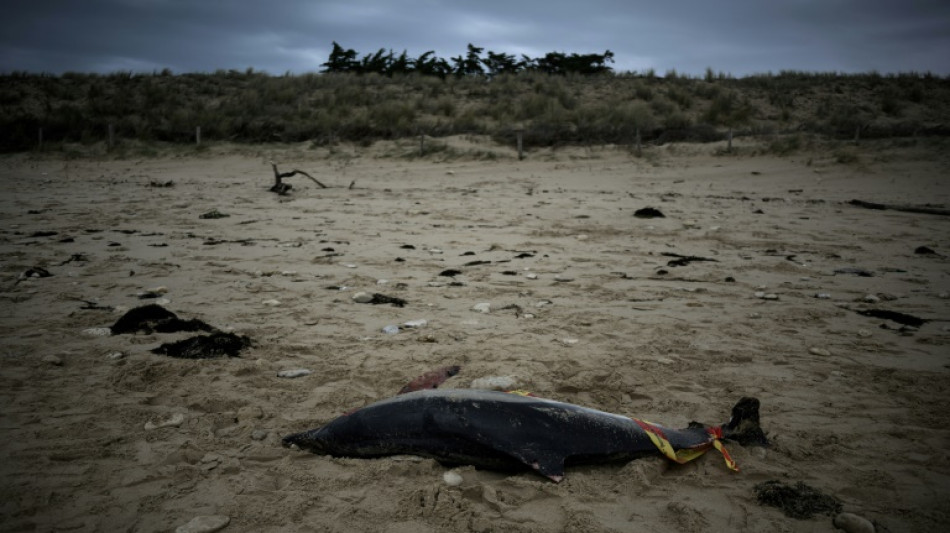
(504, 431)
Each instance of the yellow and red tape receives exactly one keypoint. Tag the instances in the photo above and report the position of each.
(687, 454)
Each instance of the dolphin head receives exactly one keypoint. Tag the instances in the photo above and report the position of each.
(308, 440)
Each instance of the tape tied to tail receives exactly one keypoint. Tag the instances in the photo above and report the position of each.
(686, 455)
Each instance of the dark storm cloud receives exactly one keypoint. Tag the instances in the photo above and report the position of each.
(739, 36)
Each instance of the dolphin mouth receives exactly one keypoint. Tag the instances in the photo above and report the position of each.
(303, 441)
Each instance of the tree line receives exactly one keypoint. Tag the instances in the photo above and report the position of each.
(473, 63)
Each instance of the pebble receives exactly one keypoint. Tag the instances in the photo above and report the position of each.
(349, 265)
(864, 333)
(543, 303)
(259, 434)
(391, 329)
(294, 373)
(53, 360)
(272, 303)
(435, 251)
(766, 296)
(174, 421)
(204, 524)
(531, 275)
(665, 360)
(819, 351)
(823, 296)
(452, 478)
(563, 278)
(852, 523)
(97, 332)
(569, 341)
(362, 297)
(115, 356)
(417, 323)
(871, 299)
(494, 383)
(382, 281)
(483, 307)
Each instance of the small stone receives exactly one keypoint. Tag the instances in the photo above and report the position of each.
(362, 297)
(581, 237)
(871, 299)
(259, 434)
(204, 524)
(754, 315)
(349, 265)
(531, 275)
(665, 360)
(272, 303)
(53, 360)
(563, 278)
(452, 478)
(569, 341)
(527, 315)
(382, 281)
(494, 383)
(435, 251)
(115, 356)
(483, 307)
(391, 329)
(819, 351)
(288, 272)
(294, 373)
(543, 303)
(173, 421)
(417, 323)
(759, 294)
(865, 333)
(770, 296)
(852, 523)
(823, 296)
(97, 332)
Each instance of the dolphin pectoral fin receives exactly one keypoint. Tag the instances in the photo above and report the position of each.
(549, 466)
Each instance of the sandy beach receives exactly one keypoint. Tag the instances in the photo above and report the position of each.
(584, 308)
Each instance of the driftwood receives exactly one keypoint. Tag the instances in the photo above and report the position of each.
(282, 188)
(906, 208)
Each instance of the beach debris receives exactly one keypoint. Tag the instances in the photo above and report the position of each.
(796, 501)
(482, 307)
(282, 188)
(450, 273)
(35, 272)
(854, 271)
(393, 329)
(895, 316)
(214, 213)
(173, 421)
(524, 255)
(477, 263)
(502, 383)
(75, 257)
(155, 318)
(924, 250)
(294, 373)
(217, 344)
(161, 184)
(52, 360)
(819, 351)
(204, 524)
(452, 478)
(923, 209)
(378, 299)
(648, 212)
(852, 523)
(156, 292)
(431, 379)
(683, 260)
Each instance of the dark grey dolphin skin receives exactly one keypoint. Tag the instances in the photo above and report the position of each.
(503, 431)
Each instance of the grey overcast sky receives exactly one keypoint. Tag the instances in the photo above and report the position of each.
(277, 36)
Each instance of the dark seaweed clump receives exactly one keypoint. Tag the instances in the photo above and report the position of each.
(155, 318)
(796, 501)
(218, 344)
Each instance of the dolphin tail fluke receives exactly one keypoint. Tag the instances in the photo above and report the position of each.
(744, 426)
